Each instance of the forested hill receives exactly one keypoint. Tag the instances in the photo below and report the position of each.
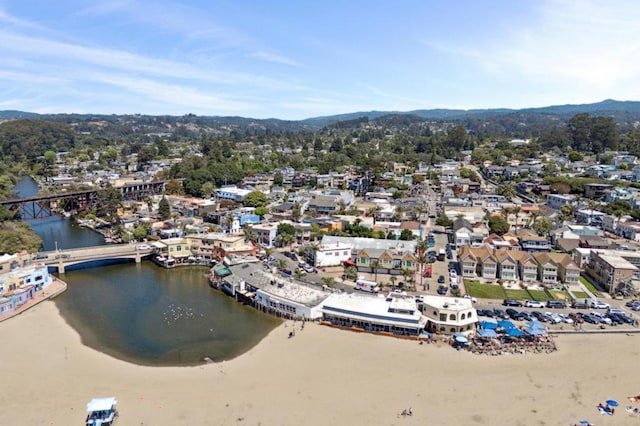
(490, 121)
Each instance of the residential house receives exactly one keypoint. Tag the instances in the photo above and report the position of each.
(556, 201)
(609, 269)
(391, 262)
(532, 242)
(507, 265)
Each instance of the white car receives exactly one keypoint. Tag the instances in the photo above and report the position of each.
(553, 317)
(565, 318)
(143, 247)
(533, 304)
(603, 318)
(597, 304)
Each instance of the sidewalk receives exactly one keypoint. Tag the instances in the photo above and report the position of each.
(54, 289)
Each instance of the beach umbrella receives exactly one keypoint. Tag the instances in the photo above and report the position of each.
(534, 331)
(584, 422)
(612, 402)
(460, 338)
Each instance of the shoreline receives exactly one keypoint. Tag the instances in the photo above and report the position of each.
(343, 377)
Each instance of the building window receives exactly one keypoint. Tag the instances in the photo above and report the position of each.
(452, 317)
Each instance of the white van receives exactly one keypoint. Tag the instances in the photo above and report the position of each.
(368, 286)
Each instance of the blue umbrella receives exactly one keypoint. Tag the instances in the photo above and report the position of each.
(488, 325)
(536, 324)
(612, 402)
(487, 332)
(584, 422)
(506, 324)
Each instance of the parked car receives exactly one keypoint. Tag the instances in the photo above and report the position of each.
(579, 304)
(63, 256)
(553, 317)
(513, 314)
(499, 313)
(441, 279)
(603, 318)
(540, 316)
(533, 304)
(511, 302)
(566, 318)
(556, 304)
(144, 247)
(592, 319)
(40, 256)
(526, 316)
(442, 290)
(597, 304)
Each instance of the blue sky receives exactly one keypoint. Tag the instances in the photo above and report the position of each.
(304, 58)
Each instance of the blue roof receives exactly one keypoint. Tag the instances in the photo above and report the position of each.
(506, 324)
(514, 332)
(488, 325)
(486, 332)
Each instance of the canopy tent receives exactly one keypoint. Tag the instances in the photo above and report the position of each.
(488, 325)
(514, 332)
(535, 331)
(487, 332)
(101, 404)
(536, 325)
(506, 324)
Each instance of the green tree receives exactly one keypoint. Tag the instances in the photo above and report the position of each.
(207, 189)
(139, 233)
(164, 209)
(506, 190)
(255, 199)
(542, 226)
(261, 211)
(575, 156)
(498, 225)
(108, 201)
(278, 179)
(5, 214)
(173, 187)
(406, 235)
(443, 220)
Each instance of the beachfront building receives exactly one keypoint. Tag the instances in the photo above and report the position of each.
(252, 282)
(20, 284)
(449, 315)
(395, 314)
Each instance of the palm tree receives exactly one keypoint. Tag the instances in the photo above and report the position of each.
(329, 282)
(406, 273)
(281, 264)
(516, 210)
(422, 260)
(374, 268)
(393, 281)
(315, 247)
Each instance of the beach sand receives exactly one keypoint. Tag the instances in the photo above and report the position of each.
(322, 376)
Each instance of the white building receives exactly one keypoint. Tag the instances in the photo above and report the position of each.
(449, 315)
(330, 254)
(231, 193)
(394, 314)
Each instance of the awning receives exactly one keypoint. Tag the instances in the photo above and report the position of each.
(487, 332)
(536, 325)
(506, 324)
(514, 332)
(101, 404)
(535, 331)
(488, 325)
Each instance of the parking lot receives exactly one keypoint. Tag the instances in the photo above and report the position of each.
(614, 316)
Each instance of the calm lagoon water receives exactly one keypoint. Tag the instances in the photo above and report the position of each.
(146, 314)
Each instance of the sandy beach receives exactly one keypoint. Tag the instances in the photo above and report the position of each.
(322, 376)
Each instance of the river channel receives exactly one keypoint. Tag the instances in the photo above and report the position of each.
(144, 314)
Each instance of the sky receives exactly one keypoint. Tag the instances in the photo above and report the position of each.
(307, 58)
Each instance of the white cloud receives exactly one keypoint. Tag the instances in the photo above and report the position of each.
(271, 57)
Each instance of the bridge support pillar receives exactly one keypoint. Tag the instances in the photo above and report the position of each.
(61, 268)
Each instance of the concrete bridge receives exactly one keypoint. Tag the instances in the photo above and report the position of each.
(61, 259)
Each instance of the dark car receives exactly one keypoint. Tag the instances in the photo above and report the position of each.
(539, 316)
(511, 302)
(442, 290)
(592, 319)
(40, 256)
(579, 305)
(556, 304)
(615, 319)
(441, 279)
(499, 313)
(513, 314)
(525, 316)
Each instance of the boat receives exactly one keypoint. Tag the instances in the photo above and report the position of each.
(101, 411)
